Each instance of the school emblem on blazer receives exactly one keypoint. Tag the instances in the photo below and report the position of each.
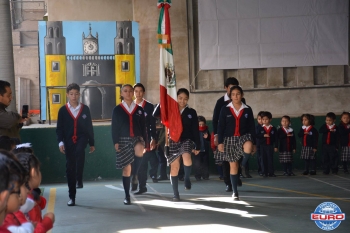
(140, 112)
(310, 133)
(246, 115)
(145, 114)
(84, 116)
(189, 116)
(169, 71)
(272, 132)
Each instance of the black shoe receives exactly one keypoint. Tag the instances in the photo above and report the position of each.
(325, 173)
(154, 179)
(71, 202)
(312, 172)
(239, 183)
(79, 185)
(291, 174)
(235, 197)
(127, 201)
(187, 185)
(264, 175)
(305, 173)
(181, 179)
(260, 174)
(248, 176)
(159, 178)
(221, 178)
(285, 174)
(228, 188)
(244, 172)
(205, 178)
(141, 191)
(272, 175)
(198, 179)
(176, 198)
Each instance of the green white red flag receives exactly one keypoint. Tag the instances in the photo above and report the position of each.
(170, 114)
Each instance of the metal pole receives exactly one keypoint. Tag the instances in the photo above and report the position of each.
(7, 72)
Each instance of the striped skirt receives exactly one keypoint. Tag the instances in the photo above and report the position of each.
(345, 153)
(307, 153)
(176, 149)
(233, 148)
(126, 154)
(286, 157)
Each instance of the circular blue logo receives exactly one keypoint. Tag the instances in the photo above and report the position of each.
(327, 216)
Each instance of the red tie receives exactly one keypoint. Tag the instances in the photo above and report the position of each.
(305, 135)
(268, 130)
(130, 119)
(288, 140)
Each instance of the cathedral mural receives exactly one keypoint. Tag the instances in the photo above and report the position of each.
(99, 56)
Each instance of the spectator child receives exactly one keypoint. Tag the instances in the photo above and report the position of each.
(309, 139)
(344, 136)
(286, 145)
(201, 161)
(258, 155)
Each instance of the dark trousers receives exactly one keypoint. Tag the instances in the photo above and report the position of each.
(310, 164)
(201, 165)
(75, 159)
(162, 162)
(266, 153)
(150, 157)
(258, 158)
(330, 158)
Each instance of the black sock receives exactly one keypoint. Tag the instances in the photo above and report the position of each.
(234, 181)
(126, 184)
(175, 183)
(187, 170)
(245, 158)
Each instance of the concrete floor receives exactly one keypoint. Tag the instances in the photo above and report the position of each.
(281, 204)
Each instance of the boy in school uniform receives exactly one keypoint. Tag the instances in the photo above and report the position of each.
(151, 143)
(329, 133)
(74, 131)
(267, 135)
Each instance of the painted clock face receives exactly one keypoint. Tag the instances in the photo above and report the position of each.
(90, 47)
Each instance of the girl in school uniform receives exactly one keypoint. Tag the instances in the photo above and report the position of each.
(189, 143)
(309, 140)
(344, 134)
(128, 134)
(236, 135)
(286, 145)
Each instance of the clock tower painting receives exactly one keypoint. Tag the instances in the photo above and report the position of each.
(99, 63)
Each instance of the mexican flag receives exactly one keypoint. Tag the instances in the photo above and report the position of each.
(170, 114)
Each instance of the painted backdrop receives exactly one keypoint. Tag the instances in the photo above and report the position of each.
(98, 55)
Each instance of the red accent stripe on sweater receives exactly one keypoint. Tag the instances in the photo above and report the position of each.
(237, 121)
(131, 126)
(305, 135)
(75, 119)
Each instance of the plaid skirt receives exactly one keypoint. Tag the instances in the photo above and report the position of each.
(307, 153)
(233, 148)
(126, 154)
(176, 149)
(286, 157)
(345, 153)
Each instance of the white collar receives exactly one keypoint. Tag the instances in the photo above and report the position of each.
(288, 130)
(331, 126)
(226, 98)
(242, 106)
(267, 126)
(306, 127)
(131, 108)
(141, 103)
(70, 106)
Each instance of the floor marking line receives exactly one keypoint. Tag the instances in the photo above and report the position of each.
(293, 191)
(159, 194)
(341, 177)
(113, 187)
(51, 203)
(134, 199)
(329, 184)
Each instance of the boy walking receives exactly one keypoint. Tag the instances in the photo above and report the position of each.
(74, 131)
